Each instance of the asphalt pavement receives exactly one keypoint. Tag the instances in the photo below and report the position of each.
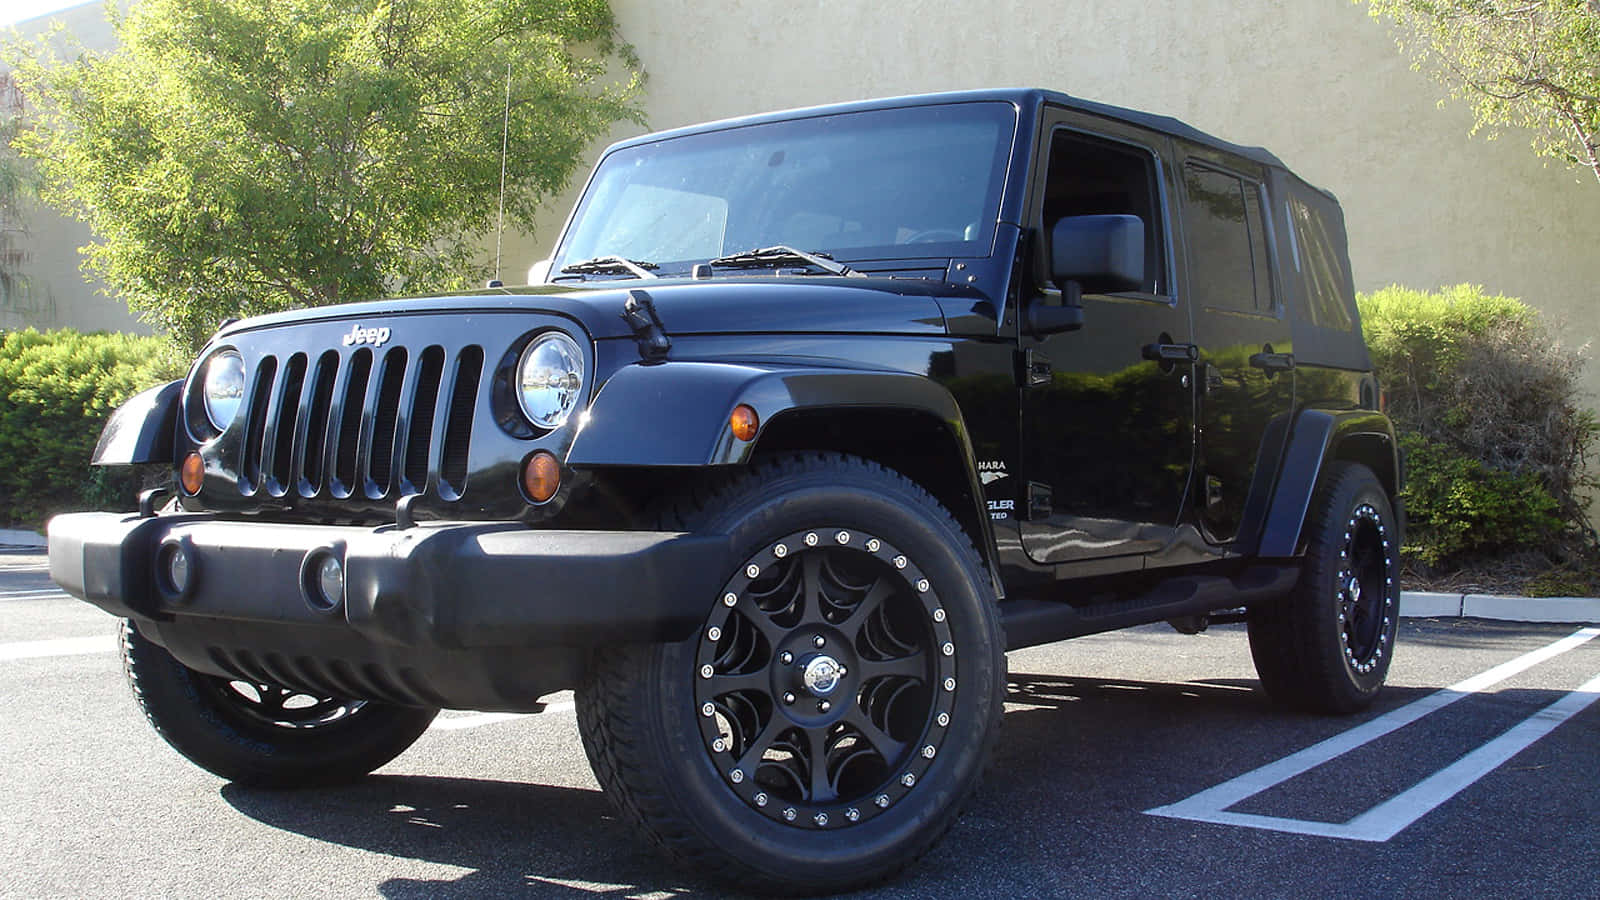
(1142, 763)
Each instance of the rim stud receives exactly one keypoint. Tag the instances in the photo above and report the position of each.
(928, 752)
(949, 684)
(899, 562)
(730, 598)
(811, 539)
(842, 537)
(821, 819)
(780, 551)
(714, 633)
(874, 545)
(944, 720)
(908, 779)
(708, 710)
(751, 570)
(948, 649)
(706, 671)
(736, 776)
(882, 800)
(761, 799)
(938, 615)
(717, 746)
(922, 585)
(789, 814)
(853, 814)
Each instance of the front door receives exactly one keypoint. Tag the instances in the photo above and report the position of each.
(1107, 425)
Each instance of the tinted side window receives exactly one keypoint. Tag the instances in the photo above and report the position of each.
(1091, 177)
(1321, 261)
(1227, 240)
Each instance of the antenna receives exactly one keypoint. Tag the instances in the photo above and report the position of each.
(505, 134)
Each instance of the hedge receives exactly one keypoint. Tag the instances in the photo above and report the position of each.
(1488, 405)
(59, 387)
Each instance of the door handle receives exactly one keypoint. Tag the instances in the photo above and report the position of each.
(1272, 362)
(1170, 352)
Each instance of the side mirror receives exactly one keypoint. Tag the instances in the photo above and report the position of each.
(1101, 253)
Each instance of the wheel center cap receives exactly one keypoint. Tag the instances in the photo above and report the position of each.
(821, 675)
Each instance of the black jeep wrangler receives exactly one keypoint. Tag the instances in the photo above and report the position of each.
(814, 417)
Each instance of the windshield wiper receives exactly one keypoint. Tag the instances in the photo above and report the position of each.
(780, 255)
(611, 265)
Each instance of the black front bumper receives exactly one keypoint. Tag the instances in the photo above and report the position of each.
(465, 615)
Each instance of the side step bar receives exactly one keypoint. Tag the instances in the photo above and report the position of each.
(1029, 623)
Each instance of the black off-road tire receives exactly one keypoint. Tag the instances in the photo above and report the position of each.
(856, 543)
(1327, 646)
(259, 734)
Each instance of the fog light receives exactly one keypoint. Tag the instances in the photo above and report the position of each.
(174, 569)
(541, 476)
(744, 422)
(330, 581)
(192, 474)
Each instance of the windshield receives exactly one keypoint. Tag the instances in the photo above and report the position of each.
(917, 182)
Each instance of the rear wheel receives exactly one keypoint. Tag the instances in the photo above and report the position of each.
(1327, 646)
(835, 710)
(264, 734)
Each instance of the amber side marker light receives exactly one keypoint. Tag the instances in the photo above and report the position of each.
(192, 473)
(744, 422)
(541, 476)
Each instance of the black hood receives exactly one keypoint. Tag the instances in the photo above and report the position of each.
(742, 305)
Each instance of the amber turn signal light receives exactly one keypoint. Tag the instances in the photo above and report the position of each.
(541, 476)
(744, 422)
(192, 473)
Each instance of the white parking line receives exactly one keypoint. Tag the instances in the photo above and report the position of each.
(1393, 816)
(477, 720)
(33, 594)
(104, 643)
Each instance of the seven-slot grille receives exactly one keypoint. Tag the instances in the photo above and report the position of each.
(365, 423)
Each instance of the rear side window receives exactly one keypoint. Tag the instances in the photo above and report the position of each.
(1227, 241)
(1321, 264)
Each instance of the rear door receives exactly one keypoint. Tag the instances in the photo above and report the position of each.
(1245, 376)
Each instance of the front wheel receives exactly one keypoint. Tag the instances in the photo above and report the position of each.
(264, 734)
(823, 728)
(1327, 646)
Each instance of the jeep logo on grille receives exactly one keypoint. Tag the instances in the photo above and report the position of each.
(377, 337)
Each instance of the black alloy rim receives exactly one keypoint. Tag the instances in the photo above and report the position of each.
(1366, 589)
(279, 707)
(825, 679)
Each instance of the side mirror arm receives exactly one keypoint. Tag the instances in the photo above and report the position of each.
(1041, 320)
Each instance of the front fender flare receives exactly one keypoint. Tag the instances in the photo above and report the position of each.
(676, 414)
(142, 429)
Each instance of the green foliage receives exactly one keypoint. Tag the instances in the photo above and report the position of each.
(235, 157)
(57, 388)
(1488, 409)
(1531, 64)
(1459, 506)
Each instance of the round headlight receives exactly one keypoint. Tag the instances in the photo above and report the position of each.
(550, 379)
(223, 388)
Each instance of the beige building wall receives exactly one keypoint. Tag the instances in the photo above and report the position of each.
(55, 292)
(1319, 83)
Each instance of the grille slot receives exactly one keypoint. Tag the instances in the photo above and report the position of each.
(458, 425)
(384, 419)
(360, 424)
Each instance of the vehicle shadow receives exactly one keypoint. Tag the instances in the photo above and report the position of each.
(1071, 751)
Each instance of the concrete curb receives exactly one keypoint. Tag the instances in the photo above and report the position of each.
(1434, 605)
(12, 538)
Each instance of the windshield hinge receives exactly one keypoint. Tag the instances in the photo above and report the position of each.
(639, 311)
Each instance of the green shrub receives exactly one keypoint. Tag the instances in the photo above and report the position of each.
(1488, 406)
(58, 388)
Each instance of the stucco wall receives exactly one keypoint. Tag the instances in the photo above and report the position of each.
(1319, 83)
(58, 294)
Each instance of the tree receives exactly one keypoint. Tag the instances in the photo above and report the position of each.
(234, 157)
(1521, 63)
(16, 185)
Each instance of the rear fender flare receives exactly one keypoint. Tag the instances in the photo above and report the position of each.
(1320, 436)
